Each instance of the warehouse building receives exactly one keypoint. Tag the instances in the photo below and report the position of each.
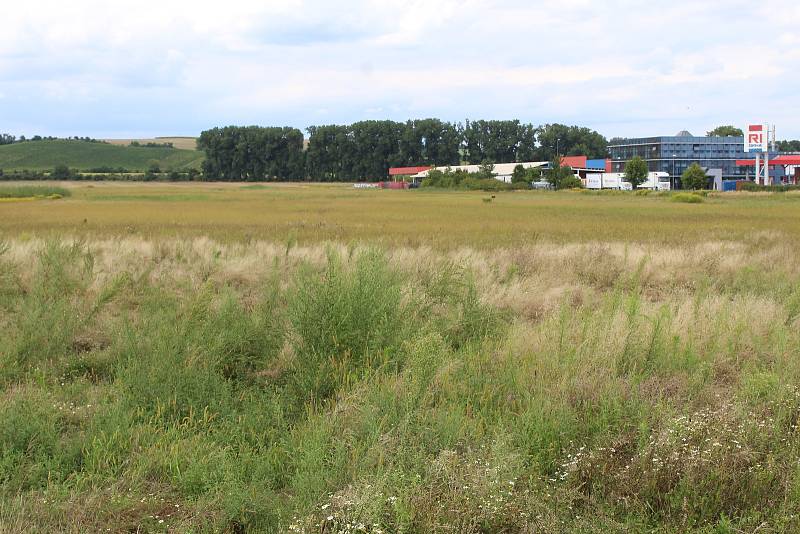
(674, 154)
(502, 171)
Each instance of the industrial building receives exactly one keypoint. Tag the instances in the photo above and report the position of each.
(724, 159)
(502, 171)
(674, 154)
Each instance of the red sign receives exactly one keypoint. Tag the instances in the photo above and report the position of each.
(756, 139)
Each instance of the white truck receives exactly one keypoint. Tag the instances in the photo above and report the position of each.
(659, 181)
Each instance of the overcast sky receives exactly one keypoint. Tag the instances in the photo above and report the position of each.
(623, 67)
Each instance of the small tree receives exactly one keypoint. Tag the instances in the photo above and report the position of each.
(694, 177)
(61, 172)
(561, 176)
(486, 170)
(636, 171)
(519, 175)
(534, 174)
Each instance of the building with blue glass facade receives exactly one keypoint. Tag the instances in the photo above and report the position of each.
(673, 154)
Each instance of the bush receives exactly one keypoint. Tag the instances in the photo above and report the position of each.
(46, 322)
(570, 182)
(688, 198)
(61, 172)
(345, 319)
(752, 186)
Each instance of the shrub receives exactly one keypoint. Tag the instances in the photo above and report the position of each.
(345, 319)
(570, 182)
(49, 316)
(61, 172)
(688, 198)
(752, 186)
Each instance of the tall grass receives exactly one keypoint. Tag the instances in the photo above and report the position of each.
(191, 386)
(28, 191)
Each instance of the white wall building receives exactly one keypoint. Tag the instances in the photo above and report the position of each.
(502, 171)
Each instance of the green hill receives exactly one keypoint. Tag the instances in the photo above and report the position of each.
(82, 155)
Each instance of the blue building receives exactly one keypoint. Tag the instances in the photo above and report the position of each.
(673, 154)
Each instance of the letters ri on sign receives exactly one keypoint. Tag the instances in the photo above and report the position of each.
(756, 138)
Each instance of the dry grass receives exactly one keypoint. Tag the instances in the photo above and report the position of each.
(185, 143)
(312, 213)
(566, 383)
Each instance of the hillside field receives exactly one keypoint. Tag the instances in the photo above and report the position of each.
(81, 155)
(317, 359)
(184, 143)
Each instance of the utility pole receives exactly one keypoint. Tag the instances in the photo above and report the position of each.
(758, 168)
(767, 179)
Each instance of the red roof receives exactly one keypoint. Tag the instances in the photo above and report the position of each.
(778, 160)
(576, 162)
(407, 171)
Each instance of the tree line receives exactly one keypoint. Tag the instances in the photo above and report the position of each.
(8, 139)
(365, 150)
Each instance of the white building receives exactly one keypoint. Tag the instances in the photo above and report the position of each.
(502, 171)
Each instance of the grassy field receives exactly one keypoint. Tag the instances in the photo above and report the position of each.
(81, 155)
(50, 192)
(228, 358)
(184, 143)
(314, 213)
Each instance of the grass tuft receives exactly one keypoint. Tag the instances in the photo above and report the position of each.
(687, 198)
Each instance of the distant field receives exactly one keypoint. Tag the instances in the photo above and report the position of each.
(184, 143)
(314, 213)
(44, 155)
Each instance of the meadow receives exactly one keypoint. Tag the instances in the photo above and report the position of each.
(305, 358)
(313, 213)
(82, 155)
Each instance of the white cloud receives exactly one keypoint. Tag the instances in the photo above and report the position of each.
(625, 67)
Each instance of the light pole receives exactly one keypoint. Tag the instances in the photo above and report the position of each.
(558, 140)
(672, 176)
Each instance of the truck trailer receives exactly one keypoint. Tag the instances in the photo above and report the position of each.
(658, 181)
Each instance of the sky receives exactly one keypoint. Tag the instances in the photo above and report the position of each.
(110, 69)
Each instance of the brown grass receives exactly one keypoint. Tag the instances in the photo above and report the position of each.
(185, 143)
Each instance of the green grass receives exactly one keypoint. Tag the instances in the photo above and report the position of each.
(44, 155)
(687, 198)
(395, 379)
(28, 191)
(338, 386)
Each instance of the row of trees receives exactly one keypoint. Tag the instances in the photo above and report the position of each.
(63, 172)
(366, 150)
(252, 153)
(8, 139)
